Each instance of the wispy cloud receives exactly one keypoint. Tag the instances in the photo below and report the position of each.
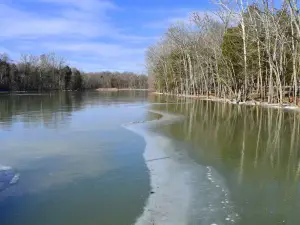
(108, 50)
(90, 34)
(182, 17)
(76, 29)
(83, 20)
(167, 22)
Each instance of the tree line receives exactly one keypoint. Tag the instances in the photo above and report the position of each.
(241, 52)
(124, 80)
(51, 72)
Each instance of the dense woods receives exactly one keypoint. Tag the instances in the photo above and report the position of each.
(51, 72)
(241, 52)
(125, 80)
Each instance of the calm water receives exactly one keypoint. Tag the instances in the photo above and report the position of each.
(256, 150)
(79, 165)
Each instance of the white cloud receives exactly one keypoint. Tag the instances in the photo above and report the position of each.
(135, 38)
(127, 64)
(86, 32)
(98, 49)
(183, 17)
(76, 30)
(85, 21)
(100, 56)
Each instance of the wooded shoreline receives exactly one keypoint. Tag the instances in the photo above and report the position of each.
(50, 72)
(121, 89)
(243, 52)
(248, 103)
(98, 89)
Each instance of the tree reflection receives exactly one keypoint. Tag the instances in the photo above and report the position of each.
(55, 109)
(251, 137)
(256, 149)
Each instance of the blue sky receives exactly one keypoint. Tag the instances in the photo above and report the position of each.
(92, 35)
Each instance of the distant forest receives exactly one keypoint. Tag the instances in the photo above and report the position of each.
(51, 72)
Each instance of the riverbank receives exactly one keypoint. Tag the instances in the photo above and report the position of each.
(285, 106)
(120, 89)
(52, 91)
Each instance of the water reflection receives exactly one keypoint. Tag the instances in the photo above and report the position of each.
(54, 109)
(255, 148)
(77, 164)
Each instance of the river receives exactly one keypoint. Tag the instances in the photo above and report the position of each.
(127, 158)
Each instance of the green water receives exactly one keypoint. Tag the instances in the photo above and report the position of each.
(79, 165)
(256, 150)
